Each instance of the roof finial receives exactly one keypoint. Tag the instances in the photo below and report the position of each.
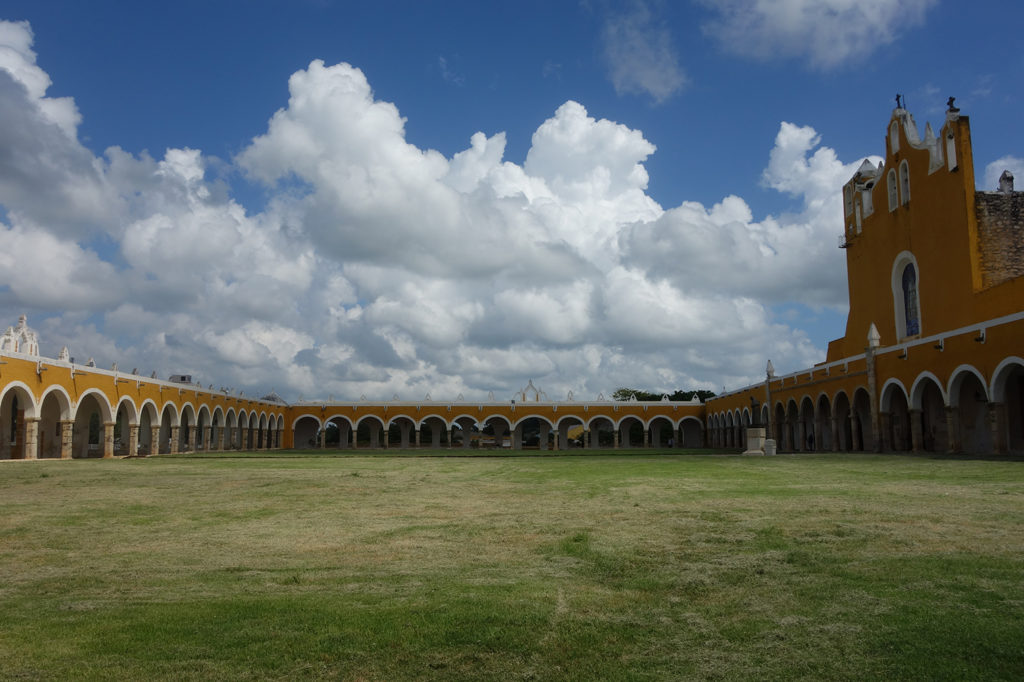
(950, 104)
(899, 102)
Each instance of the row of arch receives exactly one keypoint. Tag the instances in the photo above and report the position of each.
(57, 427)
(964, 414)
(310, 431)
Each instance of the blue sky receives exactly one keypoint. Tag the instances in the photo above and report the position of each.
(538, 265)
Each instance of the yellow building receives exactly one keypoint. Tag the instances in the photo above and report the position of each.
(932, 358)
(933, 355)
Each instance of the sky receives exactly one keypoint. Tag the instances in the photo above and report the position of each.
(352, 199)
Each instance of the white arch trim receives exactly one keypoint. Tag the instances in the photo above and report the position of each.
(886, 402)
(917, 390)
(306, 415)
(998, 388)
(624, 418)
(499, 417)
(427, 417)
(175, 416)
(33, 410)
(62, 397)
(956, 378)
(598, 417)
(366, 417)
(133, 412)
(106, 412)
(532, 416)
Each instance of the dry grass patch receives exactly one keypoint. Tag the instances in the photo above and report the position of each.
(513, 568)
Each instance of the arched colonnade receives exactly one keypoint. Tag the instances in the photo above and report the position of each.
(964, 413)
(530, 430)
(56, 426)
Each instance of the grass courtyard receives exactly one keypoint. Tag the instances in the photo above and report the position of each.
(639, 566)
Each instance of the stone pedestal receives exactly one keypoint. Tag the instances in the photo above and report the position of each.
(756, 437)
(769, 447)
(66, 438)
(108, 439)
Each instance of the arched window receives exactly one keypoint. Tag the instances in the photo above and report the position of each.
(904, 183)
(890, 181)
(905, 298)
(848, 198)
(911, 317)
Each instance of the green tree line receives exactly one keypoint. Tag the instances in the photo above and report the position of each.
(677, 396)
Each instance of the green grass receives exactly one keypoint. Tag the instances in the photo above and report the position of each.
(615, 567)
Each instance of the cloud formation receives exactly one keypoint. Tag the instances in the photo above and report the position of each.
(825, 33)
(378, 268)
(640, 54)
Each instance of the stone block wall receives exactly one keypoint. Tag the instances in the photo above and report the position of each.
(1000, 236)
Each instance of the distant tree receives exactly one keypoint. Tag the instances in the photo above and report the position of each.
(676, 396)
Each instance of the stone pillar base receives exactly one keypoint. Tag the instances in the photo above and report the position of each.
(755, 440)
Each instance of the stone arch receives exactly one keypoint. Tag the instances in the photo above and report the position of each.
(54, 424)
(261, 432)
(780, 427)
(601, 432)
(126, 421)
(149, 428)
(631, 432)
(498, 426)
(61, 397)
(807, 439)
(217, 428)
(842, 412)
(824, 437)
(167, 440)
(187, 428)
(305, 429)
(919, 385)
(434, 428)
(691, 433)
(969, 400)
(730, 431)
(230, 429)
(563, 426)
(203, 430)
(370, 430)
(532, 430)
(793, 436)
(1007, 393)
(106, 411)
(928, 413)
(17, 410)
(894, 417)
(906, 277)
(92, 433)
(662, 432)
(863, 433)
(466, 425)
(741, 427)
(250, 430)
(403, 427)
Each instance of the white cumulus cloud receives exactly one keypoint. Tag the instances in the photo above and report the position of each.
(826, 33)
(380, 268)
(640, 54)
